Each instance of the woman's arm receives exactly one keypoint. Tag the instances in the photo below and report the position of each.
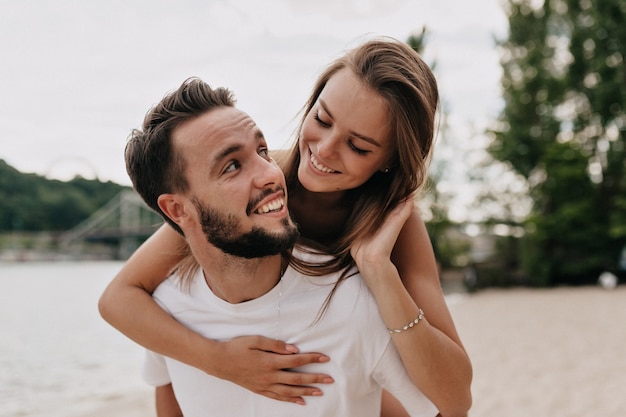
(254, 362)
(431, 350)
(166, 402)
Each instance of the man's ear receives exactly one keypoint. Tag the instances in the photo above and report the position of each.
(174, 208)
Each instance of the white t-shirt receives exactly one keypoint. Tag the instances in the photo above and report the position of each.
(363, 360)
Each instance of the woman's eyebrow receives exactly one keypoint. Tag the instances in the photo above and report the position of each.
(352, 132)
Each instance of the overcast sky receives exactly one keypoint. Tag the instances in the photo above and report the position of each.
(76, 76)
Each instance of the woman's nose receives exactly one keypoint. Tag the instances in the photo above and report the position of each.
(327, 146)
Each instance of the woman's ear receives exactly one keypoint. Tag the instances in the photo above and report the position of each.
(389, 165)
(174, 208)
(386, 169)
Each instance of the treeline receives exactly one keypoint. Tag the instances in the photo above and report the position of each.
(563, 132)
(30, 202)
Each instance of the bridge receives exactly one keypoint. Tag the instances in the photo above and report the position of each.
(124, 222)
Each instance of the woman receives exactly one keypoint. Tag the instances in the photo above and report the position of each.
(363, 148)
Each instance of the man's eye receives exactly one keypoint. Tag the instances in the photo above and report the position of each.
(232, 166)
(320, 121)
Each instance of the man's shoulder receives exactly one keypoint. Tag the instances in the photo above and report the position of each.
(312, 257)
(346, 286)
(178, 285)
(307, 254)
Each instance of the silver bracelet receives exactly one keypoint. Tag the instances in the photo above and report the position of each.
(406, 327)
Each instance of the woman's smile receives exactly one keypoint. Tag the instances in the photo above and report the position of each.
(319, 166)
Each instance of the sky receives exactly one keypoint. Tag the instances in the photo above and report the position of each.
(76, 76)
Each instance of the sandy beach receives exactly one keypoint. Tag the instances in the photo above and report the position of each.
(557, 352)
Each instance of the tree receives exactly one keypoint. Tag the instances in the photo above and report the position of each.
(29, 202)
(563, 130)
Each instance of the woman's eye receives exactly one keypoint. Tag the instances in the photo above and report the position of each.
(320, 121)
(357, 150)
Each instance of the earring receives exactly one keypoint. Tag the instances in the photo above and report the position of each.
(386, 170)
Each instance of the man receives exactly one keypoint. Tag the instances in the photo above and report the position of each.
(204, 165)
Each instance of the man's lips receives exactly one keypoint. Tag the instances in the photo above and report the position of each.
(274, 205)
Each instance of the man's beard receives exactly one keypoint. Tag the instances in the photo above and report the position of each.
(222, 231)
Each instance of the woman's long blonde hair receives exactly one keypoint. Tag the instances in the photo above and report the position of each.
(396, 72)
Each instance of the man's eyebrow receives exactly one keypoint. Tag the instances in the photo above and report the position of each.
(353, 133)
(258, 135)
(226, 152)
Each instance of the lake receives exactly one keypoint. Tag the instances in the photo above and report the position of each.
(58, 357)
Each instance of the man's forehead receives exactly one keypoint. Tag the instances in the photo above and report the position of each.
(228, 117)
(217, 126)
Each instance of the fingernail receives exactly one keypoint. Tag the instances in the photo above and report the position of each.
(323, 359)
(291, 348)
(301, 402)
(317, 393)
(328, 380)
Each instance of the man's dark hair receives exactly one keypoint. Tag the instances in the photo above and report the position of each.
(153, 165)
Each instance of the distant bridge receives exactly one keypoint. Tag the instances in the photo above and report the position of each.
(125, 221)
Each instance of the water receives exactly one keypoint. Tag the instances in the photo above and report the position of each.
(57, 356)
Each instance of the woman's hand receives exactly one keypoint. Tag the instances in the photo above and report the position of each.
(374, 250)
(262, 365)
(397, 263)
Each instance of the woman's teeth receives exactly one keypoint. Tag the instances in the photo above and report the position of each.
(319, 166)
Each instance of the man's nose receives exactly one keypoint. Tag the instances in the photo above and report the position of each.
(267, 173)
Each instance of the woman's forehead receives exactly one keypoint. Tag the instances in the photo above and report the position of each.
(355, 106)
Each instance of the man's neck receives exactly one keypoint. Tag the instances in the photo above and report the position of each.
(236, 279)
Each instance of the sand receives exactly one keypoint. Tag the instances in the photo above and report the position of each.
(138, 405)
(558, 353)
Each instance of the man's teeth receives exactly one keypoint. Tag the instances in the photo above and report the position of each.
(319, 166)
(274, 205)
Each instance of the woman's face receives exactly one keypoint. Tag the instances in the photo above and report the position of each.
(344, 138)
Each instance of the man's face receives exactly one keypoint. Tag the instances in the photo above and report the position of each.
(237, 190)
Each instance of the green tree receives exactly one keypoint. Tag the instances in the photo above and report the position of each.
(29, 202)
(563, 130)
